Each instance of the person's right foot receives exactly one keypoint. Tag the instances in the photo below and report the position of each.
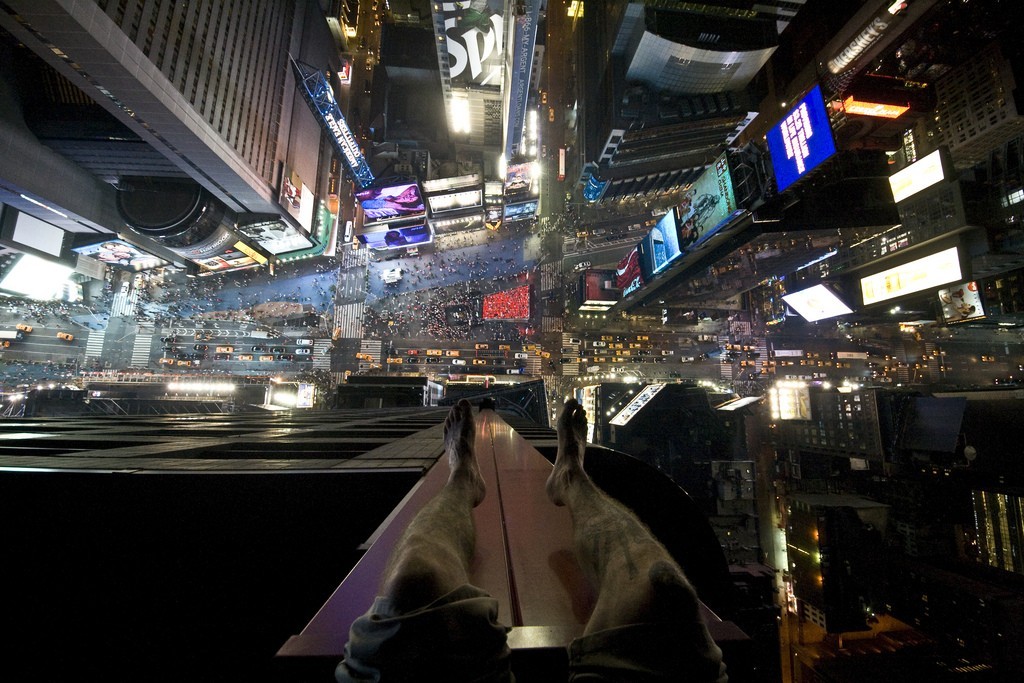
(572, 442)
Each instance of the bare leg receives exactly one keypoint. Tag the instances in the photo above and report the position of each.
(637, 580)
(432, 557)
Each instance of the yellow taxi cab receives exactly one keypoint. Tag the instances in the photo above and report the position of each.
(615, 346)
(634, 345)
(225, 349)
(267, 358)
(451, 352)
(435, 352)
(530, 347)
(22, 327)
(481, 346)
(244, 356)
(66, 336)
(545, 354)
(642, 337)
(607, 337)
(600, 360)
(504, 347)
(479, 361)
(393, 360)
(165, 361)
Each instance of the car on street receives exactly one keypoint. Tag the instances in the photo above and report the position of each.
(433, 360)
(201, 347)
(304, 342)
(286, 356)
(435, 352)
(225, 349)
(413, 352)
(667, 353)
(582, 265)
(165, 361)
(266, 358)
(258, 349)
(479, 361)
(277, 349)
(458, 361)
(481, 346)
(66, 336)
(412, 360)
(504, 347)
(303, 350)
(451, 352)
(563, 361)
(244, 356)
(599, 344)
(22, 327)
(221, 356)
(522, 356)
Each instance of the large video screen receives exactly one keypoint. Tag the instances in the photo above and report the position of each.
(515, 212)
(802, 141)
(410, 236)
(816, 303)
(518, 178)
(467, 199)
(277, 237)
(296, 198)
(628, 275)
(397, 202)
(120, 254)
(660, 247)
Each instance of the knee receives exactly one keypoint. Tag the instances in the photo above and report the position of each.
(414, 581)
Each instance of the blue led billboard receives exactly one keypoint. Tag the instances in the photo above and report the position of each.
(802, 140)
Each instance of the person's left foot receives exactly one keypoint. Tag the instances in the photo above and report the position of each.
(459, 435)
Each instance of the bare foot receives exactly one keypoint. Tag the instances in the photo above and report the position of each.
(459, 435)
(572, 442)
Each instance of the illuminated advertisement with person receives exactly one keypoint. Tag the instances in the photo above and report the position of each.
(660, 246)
(492, 217)
(474, 39)
(708, 206)
(628, 275)
(961, 302)
(296, 198)
(396, 202)
(515, 212)
(802, 141)
(410, 236)
(518, 178)
(277, 237)
(121, 254)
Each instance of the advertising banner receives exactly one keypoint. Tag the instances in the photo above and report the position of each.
(628, 275)
(277, 237)
(524, 40)
(455, 201)
(515, 212)
(396, 202)
(931, 271)
(961, 302)
(802, 141)
(474, 31)
(518, 178)
(409, 236)
(709, 205)
(816, 303)
(120, 254)
(660, 247)
(296, 198)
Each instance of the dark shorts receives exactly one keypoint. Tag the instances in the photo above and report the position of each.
(458, 638)
(455, 638)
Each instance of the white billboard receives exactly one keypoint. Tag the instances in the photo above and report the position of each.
(916, 276)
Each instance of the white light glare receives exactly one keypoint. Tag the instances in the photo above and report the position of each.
(209, 387)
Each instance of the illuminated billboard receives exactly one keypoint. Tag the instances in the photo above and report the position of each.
(492, 217)
(121, 254)
(396, 202)
(816, 303)
(513, 304)
(920, 175)
(790, 401)
(961, 302)
(931, 271)
(474, 39)
(877, 109)
(518, 178)
(709, 205)
(660, 247)
(515, 212)
(462, 182)
(457, 200)
(40, 279)
(296, 198)
(628, 274)
(802, 141)
(410, 236)
(276, 236)
(636, 405)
